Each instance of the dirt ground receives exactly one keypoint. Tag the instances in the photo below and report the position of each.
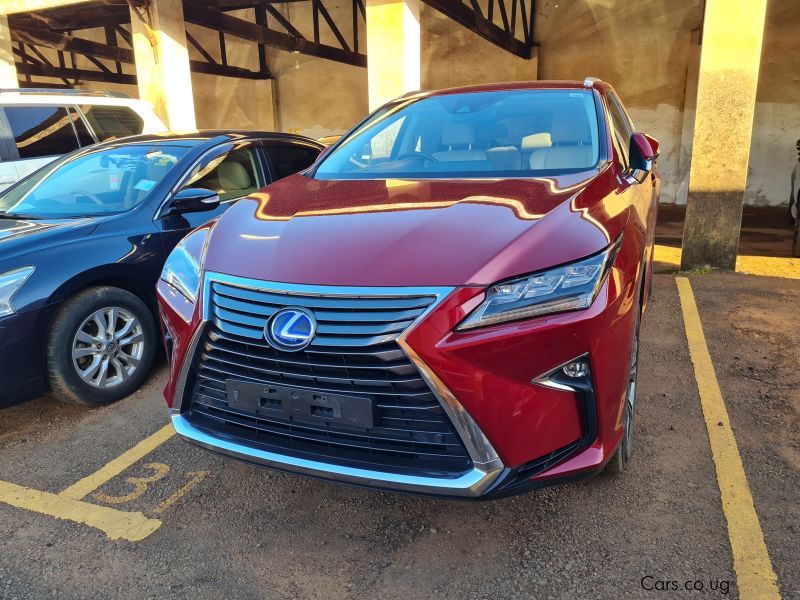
(246, 532)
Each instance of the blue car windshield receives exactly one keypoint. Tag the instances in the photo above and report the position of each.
(512, 133)
(101, 182)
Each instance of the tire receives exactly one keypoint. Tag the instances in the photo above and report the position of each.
(619, 459)
(101, 347)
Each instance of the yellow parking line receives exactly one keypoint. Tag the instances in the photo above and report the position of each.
(80, 489)
(755, 576)
(116, 524)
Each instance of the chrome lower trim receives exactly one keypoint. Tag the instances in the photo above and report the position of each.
(470, 484)
(487, 466)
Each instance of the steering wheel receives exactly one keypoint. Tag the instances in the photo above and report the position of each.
(417, 154)
(90, 196)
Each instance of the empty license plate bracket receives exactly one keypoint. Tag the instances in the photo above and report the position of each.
(306, 406)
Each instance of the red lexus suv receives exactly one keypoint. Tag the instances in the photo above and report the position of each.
(447, 302)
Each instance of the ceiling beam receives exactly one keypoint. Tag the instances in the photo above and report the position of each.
(94, 50)
(236, 4)
(79, 18)
(59, 41)
(474, 21)
(41, 70)
(218, 21)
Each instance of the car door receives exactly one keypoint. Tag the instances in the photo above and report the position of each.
(232, 170)
(288, 157)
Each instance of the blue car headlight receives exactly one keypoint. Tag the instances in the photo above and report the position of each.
(10, 282)
(182, 269)
(568, 287)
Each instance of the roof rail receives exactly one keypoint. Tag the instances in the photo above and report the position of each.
(590, 81)
(68, 92)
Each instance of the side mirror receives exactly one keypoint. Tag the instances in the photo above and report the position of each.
(643, 153)
(193, 200)
(798, 146)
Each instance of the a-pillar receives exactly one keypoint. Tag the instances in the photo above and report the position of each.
(162, 62)
(393, 49)
(8, 67)
(726, 95)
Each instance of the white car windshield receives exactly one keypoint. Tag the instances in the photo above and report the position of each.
(513, 133)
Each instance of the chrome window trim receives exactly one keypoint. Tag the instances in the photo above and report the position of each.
(487, 465)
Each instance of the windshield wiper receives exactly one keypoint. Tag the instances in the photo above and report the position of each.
(18, 216)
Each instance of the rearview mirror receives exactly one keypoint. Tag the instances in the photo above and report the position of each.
(193, 200)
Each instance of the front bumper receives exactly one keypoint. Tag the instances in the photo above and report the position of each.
(520, 435)
(21, 359)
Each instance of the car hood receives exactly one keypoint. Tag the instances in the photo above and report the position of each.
(21, 236)
(404, 233)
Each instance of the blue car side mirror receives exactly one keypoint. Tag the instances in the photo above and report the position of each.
(193, 200)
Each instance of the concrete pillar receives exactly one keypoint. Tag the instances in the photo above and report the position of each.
(393, 49)
(162, 62)
(8, 68)
(730, 56)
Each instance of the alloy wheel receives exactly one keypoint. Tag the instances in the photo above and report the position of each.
(630, 400)
(108, 347)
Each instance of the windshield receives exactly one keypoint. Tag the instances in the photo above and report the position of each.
(107, 181)
(517, 133)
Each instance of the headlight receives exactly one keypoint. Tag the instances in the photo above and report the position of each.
(182, 269)
(10, 282)
(569, 287)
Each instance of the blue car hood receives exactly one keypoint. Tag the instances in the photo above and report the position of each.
(21, 236)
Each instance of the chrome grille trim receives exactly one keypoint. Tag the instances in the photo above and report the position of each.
(327, 299)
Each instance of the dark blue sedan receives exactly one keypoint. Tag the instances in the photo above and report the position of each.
(83, 241)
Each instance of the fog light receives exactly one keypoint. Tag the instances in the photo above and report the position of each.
(576, 368)
(575, 377)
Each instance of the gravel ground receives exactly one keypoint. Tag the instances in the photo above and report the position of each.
(246, 532)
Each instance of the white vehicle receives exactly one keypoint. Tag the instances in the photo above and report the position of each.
(39, 125)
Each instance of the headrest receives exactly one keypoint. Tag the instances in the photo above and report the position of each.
(536, 141)
(569, 126)
(233, 176)
(458, 134)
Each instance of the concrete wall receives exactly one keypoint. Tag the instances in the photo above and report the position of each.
(641, 48)
(647, 51)
(453, 55)
(317, 97)
(777, 119)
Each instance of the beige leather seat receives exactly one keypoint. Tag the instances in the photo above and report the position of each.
(459, 139)
(234, 180)
(505, 158)
(571, 145)
(535, 147)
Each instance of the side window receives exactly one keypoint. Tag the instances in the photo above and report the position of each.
(41, 130)
(289, 158)
(111, 122)
(623, 128)
(232, 175)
